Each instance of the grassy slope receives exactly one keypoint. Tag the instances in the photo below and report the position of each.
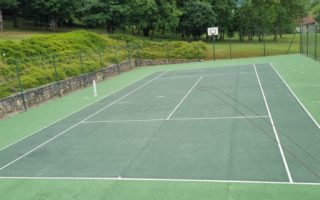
(300, 72)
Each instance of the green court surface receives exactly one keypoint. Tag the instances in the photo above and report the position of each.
(224, 130)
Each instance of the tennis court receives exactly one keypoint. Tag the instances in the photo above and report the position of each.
(225, 124)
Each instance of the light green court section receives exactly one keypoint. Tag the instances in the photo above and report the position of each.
(301, 73)
(137, 190)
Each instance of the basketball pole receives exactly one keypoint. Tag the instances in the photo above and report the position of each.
(213, 49)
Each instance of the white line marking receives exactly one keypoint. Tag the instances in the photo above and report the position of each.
(123, 121)
(173, 119)
(159, 180)
(123, 102)
(305, 109)
(114, 102)
(112, 94)
(184, 98)
(273, 127)
(218, 118)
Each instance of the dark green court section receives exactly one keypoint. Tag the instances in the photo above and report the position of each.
(299, 135)
(182, 148)
(219, 149)
(224, 94)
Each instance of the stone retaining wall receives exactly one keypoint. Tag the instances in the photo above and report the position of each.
(36, 96)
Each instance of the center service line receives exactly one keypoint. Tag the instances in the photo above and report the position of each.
(174, 110)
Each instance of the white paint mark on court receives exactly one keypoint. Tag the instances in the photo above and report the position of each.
(63, 132)
(123, 121)
(295, 96)
(160, 96)
(174, 110)
(315, 102)
(175, 119)
(160, 180)
(274, 128)
(123, 102)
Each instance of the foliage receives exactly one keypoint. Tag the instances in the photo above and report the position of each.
(196, 18)
(78, 52)
(53, 11)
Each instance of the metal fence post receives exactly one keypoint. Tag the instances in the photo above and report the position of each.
(230, 48)
(301, 39)
(129, 56)
(81, 62)
(307, 40)
(139, 58)
(56, 74)
(100, 57)
(264, 45)
(316, 43)
(20, 85)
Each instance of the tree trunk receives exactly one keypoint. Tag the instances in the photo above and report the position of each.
(1, 21)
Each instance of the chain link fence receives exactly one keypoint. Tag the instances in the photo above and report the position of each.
(310, 41)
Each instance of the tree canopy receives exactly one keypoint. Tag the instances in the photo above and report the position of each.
(190, 18)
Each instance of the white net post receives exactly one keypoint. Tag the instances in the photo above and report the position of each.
(94, 88)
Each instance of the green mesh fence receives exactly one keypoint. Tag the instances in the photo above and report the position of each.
(309, 41)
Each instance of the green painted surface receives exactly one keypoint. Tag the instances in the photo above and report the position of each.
(301, 73)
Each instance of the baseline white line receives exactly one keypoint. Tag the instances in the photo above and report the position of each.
(301, 104)
(123, 121)
(158, 180)
(172, 119)
(274, 128)
(119, 99)
(55, 122)
(184, 97)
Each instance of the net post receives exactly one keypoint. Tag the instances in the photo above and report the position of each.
(20, 85)
(94, 88)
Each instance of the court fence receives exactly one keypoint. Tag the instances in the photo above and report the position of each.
(309, 41)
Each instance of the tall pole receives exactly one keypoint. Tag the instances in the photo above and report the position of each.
(213, 49)
(307, 40)
(316, 44)
(20, 85)
(56, 74)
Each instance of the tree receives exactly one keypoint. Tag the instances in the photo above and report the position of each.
(225, 16)
(53, 11)
(111, 13)
(6, 4)
(169, 15)
(144, 15)
(196, 18)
